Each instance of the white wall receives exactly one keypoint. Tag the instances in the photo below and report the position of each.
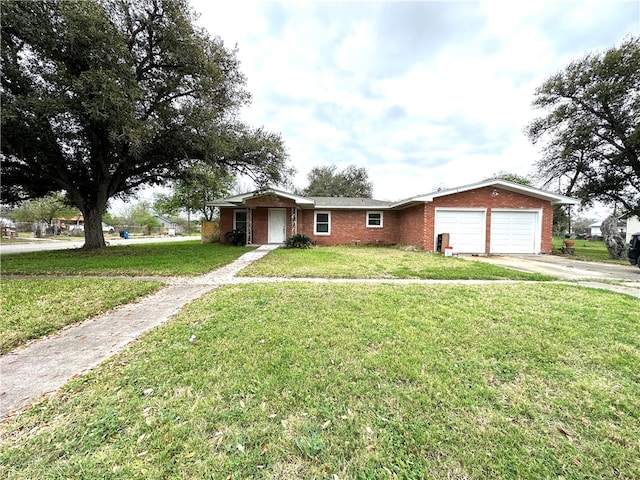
(633, 226)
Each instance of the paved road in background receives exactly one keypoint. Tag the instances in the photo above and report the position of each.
(37, 245)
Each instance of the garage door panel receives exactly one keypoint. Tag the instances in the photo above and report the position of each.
(466, 229)
(514, 232)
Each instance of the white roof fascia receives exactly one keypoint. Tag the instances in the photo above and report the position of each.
(554, 198)
(280, 193)
(350, 203)
(237, 200)
(221, 203)
(353, 207)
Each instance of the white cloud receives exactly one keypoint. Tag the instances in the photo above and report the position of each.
(422, 94)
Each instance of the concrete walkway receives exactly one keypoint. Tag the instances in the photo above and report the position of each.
(46, 364)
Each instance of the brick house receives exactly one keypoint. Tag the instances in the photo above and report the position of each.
(490, 217)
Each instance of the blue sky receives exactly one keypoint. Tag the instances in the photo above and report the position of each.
(423, 94)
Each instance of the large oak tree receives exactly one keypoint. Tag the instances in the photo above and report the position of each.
(192, 194)
(101, 97)
(591, 130)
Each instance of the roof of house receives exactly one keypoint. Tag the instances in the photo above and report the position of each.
(370, 203)
(349, 202)
(163, 219)
(554, 198)
(241, 199)
(621, 223)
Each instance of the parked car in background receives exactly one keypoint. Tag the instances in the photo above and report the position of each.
(80, 228)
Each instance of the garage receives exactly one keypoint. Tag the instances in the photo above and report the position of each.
(466, 228)
(515, 231)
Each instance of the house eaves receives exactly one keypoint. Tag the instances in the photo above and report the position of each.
(221, 202)
(350, 203)
(240, 200)
(553, 198)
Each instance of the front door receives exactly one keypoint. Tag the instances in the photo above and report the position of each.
(277, 225)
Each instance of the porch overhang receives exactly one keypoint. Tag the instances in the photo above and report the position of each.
(239, 201)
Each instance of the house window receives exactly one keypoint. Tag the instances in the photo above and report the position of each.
(322, 223)
(374, 219)
(240, 220)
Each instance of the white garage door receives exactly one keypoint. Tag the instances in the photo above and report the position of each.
(514, 232)
(465, 227)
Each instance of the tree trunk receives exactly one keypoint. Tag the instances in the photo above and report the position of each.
(93, 235)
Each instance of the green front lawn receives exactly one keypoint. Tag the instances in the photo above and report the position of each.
(375, 262)
(588, 251)
(33, 308)
(355, 381)
(165, 259)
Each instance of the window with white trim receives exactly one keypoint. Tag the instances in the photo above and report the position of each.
(240, 220)
(374, 219)
(322, 223)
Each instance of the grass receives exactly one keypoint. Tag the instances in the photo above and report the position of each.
(375, 262)
(11, 241)
(588, 251)
(355, 381)
(33, 308)
(180, 258)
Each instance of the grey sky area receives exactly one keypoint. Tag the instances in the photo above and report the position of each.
(423, 94)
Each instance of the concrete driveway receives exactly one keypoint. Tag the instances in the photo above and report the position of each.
(565, 268)
(620, 278)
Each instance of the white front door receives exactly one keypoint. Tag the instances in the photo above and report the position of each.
(277, 225)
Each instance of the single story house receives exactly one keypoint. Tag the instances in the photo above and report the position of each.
(489, 217)
(633, 226)
(596, 231)
(168, 226)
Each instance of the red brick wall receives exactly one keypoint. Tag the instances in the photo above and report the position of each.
(226, 222)
(483, 198)
(412, 225)
(349, 226)
(260, 223)
(547, 229)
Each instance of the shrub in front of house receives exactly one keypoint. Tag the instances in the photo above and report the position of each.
(299, 240)
(236, 237)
